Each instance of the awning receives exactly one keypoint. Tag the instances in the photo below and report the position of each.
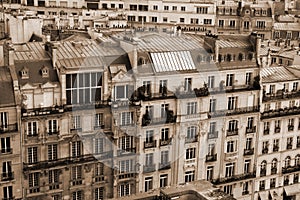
(292, 190)
(263, 195)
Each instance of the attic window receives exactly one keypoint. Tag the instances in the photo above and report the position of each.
(141, 61)
(24, 73)
(247, 11)
(45, 72)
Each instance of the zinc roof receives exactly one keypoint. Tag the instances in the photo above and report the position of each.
(231, 41)
(286, 26)
(6, 88)
(277, 74)
(30, 51)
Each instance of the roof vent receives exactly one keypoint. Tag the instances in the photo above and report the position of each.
(24, 73)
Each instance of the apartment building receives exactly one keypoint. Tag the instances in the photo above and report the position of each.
(278, 148)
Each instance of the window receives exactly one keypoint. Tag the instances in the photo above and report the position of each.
(181, 20)
(189, 176)
(295, 86)
(131, 18)
(248, 78)
(272, 182)
(248, 143)
(125, 166)
(277, 105)
(165, 19)
(126, 142)
(164, 110)
(164, 157)
(267, 107)
(291, 103)
(191, 132)
(32, 129)
(250, 122)
(77, 175)
(123, 91)
(148, 183)
(209, 173)
(188, 84)
(202, 10)
(291, 124)
(297, 160)
(98, 145)
(260, 24)
(126, 118)
(191, 108)
(52, 151)
(3, 120)
(232, 125)
(265, 147)
(76, 148)
(174, 7)
(232, 23)
(143, 7)
(228, 189)
(166, 7)
(149, 159)
(230, 146)
(246, 187)
(287, 162)
(296, 178)
(32, 156)
(221, 23)
(286, 180)
(163, 85)
(232, 103)
(153, 19)
(99, 169)
(275, 145)
(53, 177)
(147, 84)
(212, 127)
(7, 170)
(83, 87)
(246, 24)
(124, 189)
(212, 105)
(263, 168)
(164, 134)
(76, 122)
(190, 153)
(112, 5)
(211, 149)
(247, 166)
(262, 185)
(78, 195)
(207, 21)
(229, 170)
(33, 179)
(182, 8)
(289, 143)
(149, 136)
(99, 120)
(155, 7)
(132, 7)
(8, 192)
(99, 193)
(272, 89)
(5, 145)
(229, 79)
(277, 126)
(211, 82)
(194, 21)
(163, 180)
(52, 126)
(121, 6)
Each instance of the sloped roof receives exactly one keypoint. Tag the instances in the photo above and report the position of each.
(234, 41)
(277, 74)
(286, 26)
(6, 88)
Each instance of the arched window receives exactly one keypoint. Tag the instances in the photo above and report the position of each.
(287, 162)
(297, 160)
(274, 166)
(263, 168)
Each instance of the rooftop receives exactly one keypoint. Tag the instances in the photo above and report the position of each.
(6, 88)
(277, 74)
(284, 26)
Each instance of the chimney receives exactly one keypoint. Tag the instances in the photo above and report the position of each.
(51, 48)
(8, 53)
(135, 57)
(258, 46)
(217, 51)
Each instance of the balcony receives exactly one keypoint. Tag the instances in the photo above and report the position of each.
(280, 112)
(229, 155)
(147, 120)
(290, 127)
(250, 129)
(61, 162)
(149, 168)
(6, 151)
(164, 166)
(263, 172)
(232, 132)
(86, 106)
(126, 152)
(197, 92)
(265, 150)
(245, 192)
(7, 176)
(277, 130)
(233, 178)
(127, 175)
(191, 139)
(165, 142)
(99, 178)
(150, 144)
(212, 135)
(78, 181)
(211, 158)
(236, 111)
(291, 169)
(9, 128)
(54, 186)
(281, 95)
(248, 152)
(42, 111)
(273, 170)
(266, 131)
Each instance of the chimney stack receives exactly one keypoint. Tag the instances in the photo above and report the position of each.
(8, 52)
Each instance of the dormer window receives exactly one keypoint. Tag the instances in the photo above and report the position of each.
(24, 73)
(45, 72)
(142, 61)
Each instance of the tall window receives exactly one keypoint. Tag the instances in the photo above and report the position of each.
(212, 105)
(34, 182)
(98, 145)
(164, 110)
(3, 120)
(272, 89)
(163, 85)
(126, 118)
(232, 103)
(295, 86)
(202, 10)
(5, 145)
(247, 166)
(229, 79)
(8, 192)
(188, 84)
(6, 170)
(228, 189)
(124, 189)
(230, 146)
(189, 176)
(77, 195)
(191, 132)
(53, 177)
(211, 82)
(287, 161)
(250, 122)
(229, 170)
(190, 153)
(164, 157)
(76, 122)
(99, 169)
(163, 180)
(126, 166)
(99, 193)
(76, 148)
(209, 173)
(147, 87)
(149, 159)
(211, 149)
(191, 108)
(148, 183)
(248, 143)
(99, 120)
(32, 129)
(77, 175)
(83, 87)
(233, 125)
(126, 142)
(32, 156)
(52, 126)
(221, 23)
(164, 134)
(248, 78)
(52, 151)
(149, 136)
(123, 91)
(212, 127)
